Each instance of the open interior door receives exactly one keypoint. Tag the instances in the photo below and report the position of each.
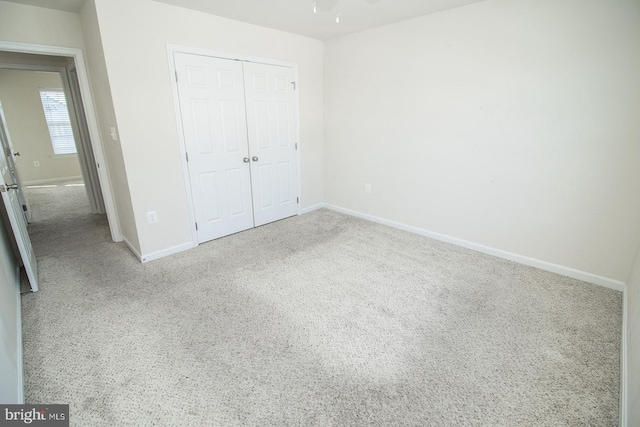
(16, 216)
(10, 153)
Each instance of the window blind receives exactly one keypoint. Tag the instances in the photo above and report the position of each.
(57, 115)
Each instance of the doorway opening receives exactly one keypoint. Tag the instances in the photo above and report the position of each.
(40, 142)
(46, 144)
(48, 88)
(71, 62)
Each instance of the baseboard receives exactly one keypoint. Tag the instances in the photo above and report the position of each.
(131, 247)
(19, 350)
(543, 265)
(623, 362)
(313, 208)
(52, 180)
(166, 252)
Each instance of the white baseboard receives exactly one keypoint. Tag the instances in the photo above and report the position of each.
(543, 265)
(166, 252)
(131, 248)
(52, 180)
(19, 350)
(623, 362)
(160, 254)
(313, 208)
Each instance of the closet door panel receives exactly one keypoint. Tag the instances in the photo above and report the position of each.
(212, 105)
(270, 100)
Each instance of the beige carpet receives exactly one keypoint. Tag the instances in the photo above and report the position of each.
(321, 319)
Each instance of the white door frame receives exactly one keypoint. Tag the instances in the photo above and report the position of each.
(174, 48)
(92, 120)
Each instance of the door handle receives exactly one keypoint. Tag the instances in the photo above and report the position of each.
(254, 158)
(8, 187)
(246, 160)
(17, 154)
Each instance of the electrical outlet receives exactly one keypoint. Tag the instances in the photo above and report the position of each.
(152, 217)
(367, 188)
(36, 164)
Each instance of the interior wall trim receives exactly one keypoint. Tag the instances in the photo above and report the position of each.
(166, 252)
(313, 208)
(19, 350)
(623, 362)
(521, 259)
(52, 180)
(131, 247)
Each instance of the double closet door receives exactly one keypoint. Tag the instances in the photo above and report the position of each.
(239, 125)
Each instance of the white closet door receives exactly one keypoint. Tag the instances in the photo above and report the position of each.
(271, 124)
(213, 116)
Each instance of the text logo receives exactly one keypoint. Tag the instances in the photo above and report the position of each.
(34, 415)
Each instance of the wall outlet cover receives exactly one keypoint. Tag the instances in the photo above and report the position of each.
(152, 217)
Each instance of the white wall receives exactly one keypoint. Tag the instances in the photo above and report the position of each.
(20, 97)
(106, 118)
(633, 345)
(10, 329)
(135, 34)
(35, 25)
(510, 124)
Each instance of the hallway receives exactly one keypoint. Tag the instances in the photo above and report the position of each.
(61, 217)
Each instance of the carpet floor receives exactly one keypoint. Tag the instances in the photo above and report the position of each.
(321, 319)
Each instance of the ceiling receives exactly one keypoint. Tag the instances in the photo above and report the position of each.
(296, 16)
(64, 5)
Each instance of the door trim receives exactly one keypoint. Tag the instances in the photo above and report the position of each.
(174, 48)
(92, 121)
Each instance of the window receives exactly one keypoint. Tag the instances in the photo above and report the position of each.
(57, 115)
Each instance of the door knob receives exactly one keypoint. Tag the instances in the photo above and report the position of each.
(17, 154)
(12, 186)
(246, 160)
(254, 158)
